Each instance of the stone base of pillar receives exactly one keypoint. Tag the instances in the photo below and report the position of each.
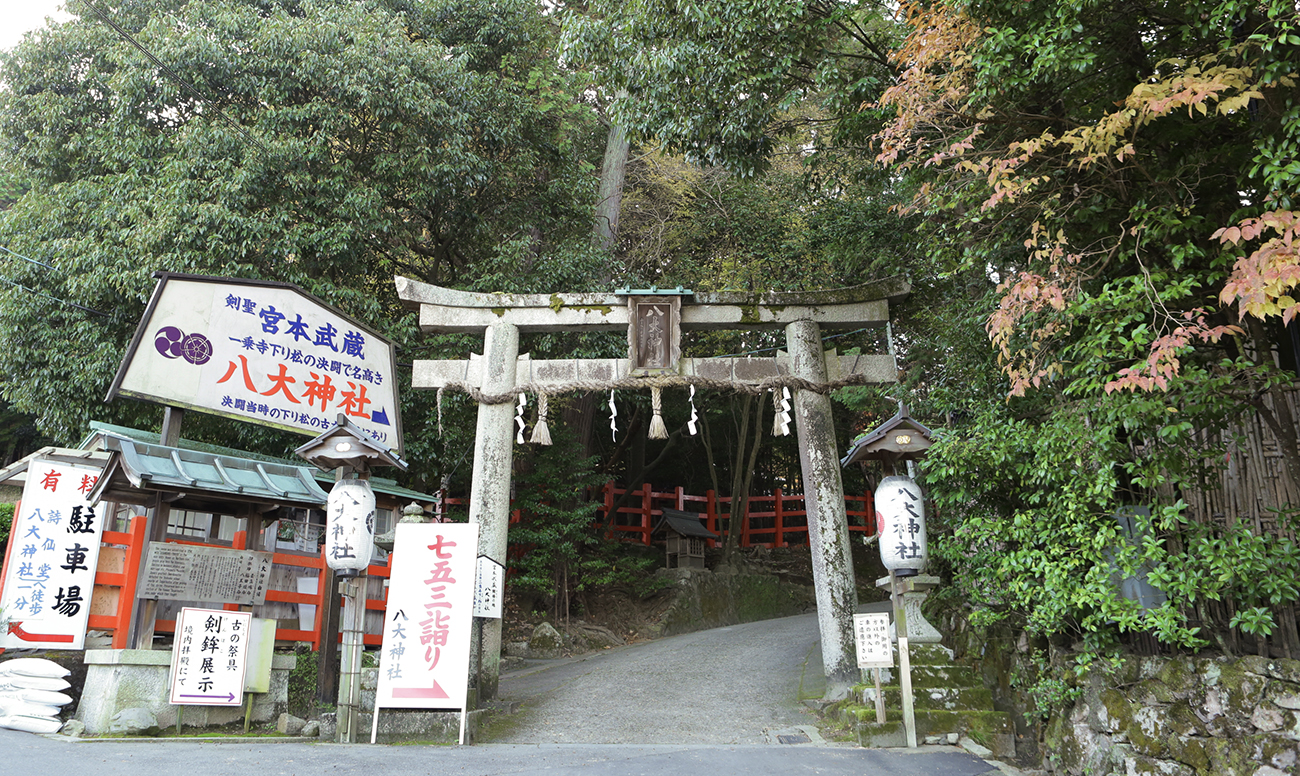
(915, 590)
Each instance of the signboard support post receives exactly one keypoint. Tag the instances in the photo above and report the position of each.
(374, 722)
(880, 698)
(904, 661)
(350, 687)
(141, 636)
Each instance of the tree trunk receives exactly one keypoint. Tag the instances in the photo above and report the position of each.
(742, 472)
(612, 175)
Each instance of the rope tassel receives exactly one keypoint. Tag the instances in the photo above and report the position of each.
(781, 405)
(695, 416)
(541, 434)
(519, 418)
(657, 428)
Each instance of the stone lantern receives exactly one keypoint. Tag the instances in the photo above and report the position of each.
(350, 514)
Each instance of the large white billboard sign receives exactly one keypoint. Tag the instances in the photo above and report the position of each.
(266, 353)
(49, 574)
(425, 654)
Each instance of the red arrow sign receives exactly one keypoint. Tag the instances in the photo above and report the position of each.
(61, 638)
(420, 692)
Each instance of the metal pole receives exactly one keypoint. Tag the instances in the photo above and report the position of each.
(904, 662)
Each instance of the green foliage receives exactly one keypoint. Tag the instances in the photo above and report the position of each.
(303, 684)
(436, 140)
(6, 523)
(726, 81)
(1050, 690)
(563, 550)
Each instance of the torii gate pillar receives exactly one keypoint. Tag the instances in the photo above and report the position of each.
(489, 498)
(828, 533)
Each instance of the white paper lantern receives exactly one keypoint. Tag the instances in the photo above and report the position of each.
(350, 527)
(900, 523)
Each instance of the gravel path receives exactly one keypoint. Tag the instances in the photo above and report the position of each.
(733, 685)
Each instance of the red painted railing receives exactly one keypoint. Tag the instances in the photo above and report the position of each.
(762, 527)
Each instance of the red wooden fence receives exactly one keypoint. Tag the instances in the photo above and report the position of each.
(766, 522)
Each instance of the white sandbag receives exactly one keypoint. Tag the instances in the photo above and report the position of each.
(33, 666)
(27, 709)
(45, 697)
(20, 682)
(30, 724)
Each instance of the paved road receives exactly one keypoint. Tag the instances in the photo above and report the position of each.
(734, 685)
(28, 755)
(709, 703)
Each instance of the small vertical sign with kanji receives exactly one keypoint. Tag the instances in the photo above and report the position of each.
(209, 657)
(51, 566)
(875, 649)
(489, 587)
(424, 660)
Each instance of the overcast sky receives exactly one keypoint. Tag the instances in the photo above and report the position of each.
(19, 16)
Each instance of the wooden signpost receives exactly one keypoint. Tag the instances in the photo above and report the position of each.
(874, 650)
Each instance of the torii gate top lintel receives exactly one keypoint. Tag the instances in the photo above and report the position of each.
(450, 310)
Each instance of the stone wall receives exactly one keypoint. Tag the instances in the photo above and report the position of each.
(1175, 716)
(705, 599)
(125, 687)
(1181, 716)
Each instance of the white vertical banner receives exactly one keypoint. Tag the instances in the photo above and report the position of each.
(54, 552)
(209, 657)
(489, 588)
(424, 661)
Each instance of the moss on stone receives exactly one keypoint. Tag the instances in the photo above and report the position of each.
(1179, 676)
(1117, 712)
(1191, 751)
(1152, 691)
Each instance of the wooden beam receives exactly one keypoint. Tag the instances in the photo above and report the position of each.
(558, 372)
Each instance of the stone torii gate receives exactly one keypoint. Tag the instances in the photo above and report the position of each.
(653, 320)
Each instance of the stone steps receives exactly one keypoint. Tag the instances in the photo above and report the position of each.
(946, 699)
(993, 729)
(949, 698)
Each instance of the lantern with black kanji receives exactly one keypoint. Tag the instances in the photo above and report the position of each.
(350, 527)
(900, 526)
(900, 505)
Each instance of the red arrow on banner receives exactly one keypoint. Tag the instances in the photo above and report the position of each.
(420, 692)
(16, 629)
